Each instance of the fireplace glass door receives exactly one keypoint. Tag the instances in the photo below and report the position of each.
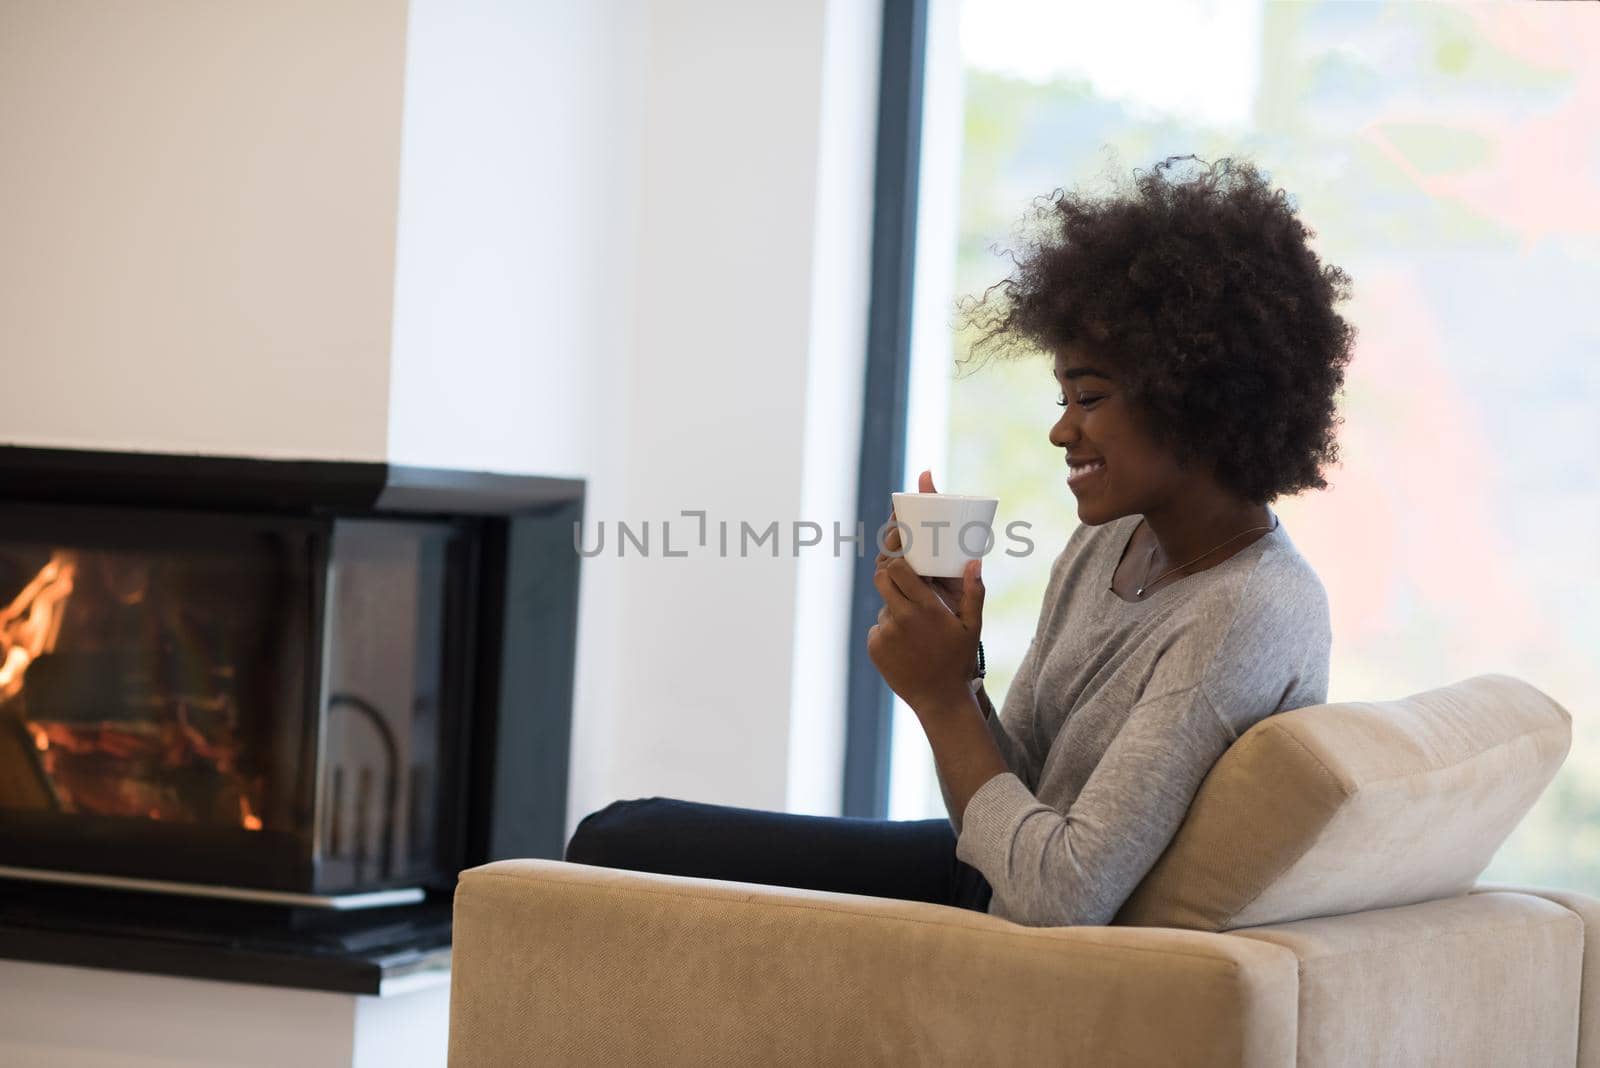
(235, 700)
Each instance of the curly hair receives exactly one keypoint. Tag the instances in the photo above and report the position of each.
(1206, 297)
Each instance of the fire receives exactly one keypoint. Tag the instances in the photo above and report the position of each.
(247, 819)
(175, 759)
(30, 623)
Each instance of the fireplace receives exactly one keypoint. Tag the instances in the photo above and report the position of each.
(316, 685)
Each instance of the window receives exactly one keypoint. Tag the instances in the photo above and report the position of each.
(1446, 156)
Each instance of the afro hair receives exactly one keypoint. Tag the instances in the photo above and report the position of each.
(1204, 295)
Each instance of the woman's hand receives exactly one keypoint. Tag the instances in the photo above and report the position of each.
(925, 644)
(948, 589)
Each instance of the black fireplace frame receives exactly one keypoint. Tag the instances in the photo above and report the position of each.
(518, 627)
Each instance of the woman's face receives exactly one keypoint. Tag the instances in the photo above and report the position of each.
(1127, 473)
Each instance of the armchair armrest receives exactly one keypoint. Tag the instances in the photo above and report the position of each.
(1587, 908)
(1475, 979)
(574, 964)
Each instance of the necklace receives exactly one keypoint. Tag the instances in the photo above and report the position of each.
(1151, 582)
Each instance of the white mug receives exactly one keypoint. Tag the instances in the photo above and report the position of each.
(940, 532)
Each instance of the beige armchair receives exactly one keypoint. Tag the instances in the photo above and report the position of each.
(1318, 906)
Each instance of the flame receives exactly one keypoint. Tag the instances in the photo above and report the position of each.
(30, 623)
(122, 766)
(247, 819)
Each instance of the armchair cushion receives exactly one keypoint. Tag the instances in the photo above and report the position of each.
(1342, 808)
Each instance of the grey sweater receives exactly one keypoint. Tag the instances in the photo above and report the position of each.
(1118, 711)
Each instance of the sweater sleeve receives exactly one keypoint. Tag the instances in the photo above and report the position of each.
(1052, 868)
(1019, 695)
(1017, 710)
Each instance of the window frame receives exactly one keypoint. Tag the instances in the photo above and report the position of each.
(869, 701)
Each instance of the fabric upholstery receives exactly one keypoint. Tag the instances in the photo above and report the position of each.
(1342, 808)
(1316, 908)
(1588, 910)
(1477, 981)
(560, 963)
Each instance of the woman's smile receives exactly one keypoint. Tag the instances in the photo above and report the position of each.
(1079, 474)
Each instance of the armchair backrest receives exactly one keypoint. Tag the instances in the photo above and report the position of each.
(1340, 808)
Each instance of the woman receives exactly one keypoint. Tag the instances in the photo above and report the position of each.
(1197, 354)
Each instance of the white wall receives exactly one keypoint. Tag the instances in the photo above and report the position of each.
(634, 243)
(518, 193)
(750, 309)
(197, 222)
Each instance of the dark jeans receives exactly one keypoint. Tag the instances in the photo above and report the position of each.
(914, 860)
